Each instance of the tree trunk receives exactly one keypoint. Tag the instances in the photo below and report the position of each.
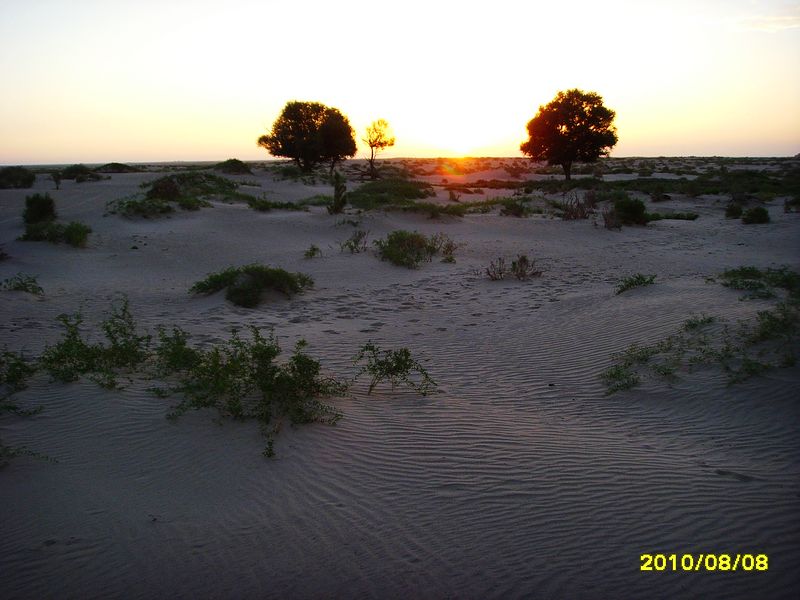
(567, 166)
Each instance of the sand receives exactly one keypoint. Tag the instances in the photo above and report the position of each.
(519, 478)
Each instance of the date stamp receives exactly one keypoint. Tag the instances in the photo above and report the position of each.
(703, 562)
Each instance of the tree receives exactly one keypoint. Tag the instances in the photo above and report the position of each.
(377, 139)
(310, 133)
(575, 126)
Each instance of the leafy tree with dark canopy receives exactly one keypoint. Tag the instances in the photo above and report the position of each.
(574, 127)
(310, 133)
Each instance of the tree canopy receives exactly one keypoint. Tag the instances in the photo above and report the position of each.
(573, 127)
(310, 133)
(377, 139)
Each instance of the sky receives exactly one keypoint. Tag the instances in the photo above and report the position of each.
(101, 81)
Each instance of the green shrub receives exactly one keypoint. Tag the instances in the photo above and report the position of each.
(115, 167)
(39, 208)
(140, 207)
(72, 356)
(757, 215)
(233, 166)
(14, 374)
(240, 379)
(396, 366)
(633, 281)
(512, 207)
(245, 285)
(761, 284)
(733, 210)
(378, 194)
(190, 184)
(173, 354)
(22, 283)
(406, 248)
(630, 211)
(16, 178)
(126, 348)
(76, 234)
(674, 216)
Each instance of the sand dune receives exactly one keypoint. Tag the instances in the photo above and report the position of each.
(519, 478)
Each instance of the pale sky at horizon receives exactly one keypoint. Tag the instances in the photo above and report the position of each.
(100, 81)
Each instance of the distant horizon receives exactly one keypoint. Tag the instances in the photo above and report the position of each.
(382, 158)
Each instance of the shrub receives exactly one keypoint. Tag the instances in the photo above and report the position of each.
(630, 211)
(240, 379)
(233, 166)
(757, 216)
(140, 207)
(264, 205)
(761, 284)
(126, 348)
(497, 270)
(396, 366)
(80, 173)
(445, 245)
(312, 252)
(172, 353)
(637, 280)
(355, 243)
(377, 194)
(76, 234)
(733, 210)
(406, 248)
(22, 283)
(39, 208)
(191, 184)
(674, 216)
(514, 208)
(524, 268)
(115, 167)
(14, 374)
(245, 285)
(72, 356)
(16, 177)
(573, 209)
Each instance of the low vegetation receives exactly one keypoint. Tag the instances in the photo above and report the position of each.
(755, 216)
(16, 178)
(115, 167)
(410, 248)
(522, 268)
(313, 251)
(22, 283)
(39, 208)
(74, 233)
(634, 281)
(264, 205)
(80, 173)
(385, 192)
(395, 366)
(233, 166)
(245, 286)
(357, 242)
(767, 341)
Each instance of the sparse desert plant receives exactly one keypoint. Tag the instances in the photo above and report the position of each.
(355, 243)
(126, 347)
(453, 196)
(630, 211)
(245, 285)
(396, 366)
(312, 252)
(757, 215)
(16, 178)
(573, 209)
(733, 210)
(696, 323)
(633, 281)
(140, 207)
(339, 194)
(444, 244)
(514, 208)
(39, 208)
(406, 248)
(392, 191)
(610, 219)
(22, 283)
(524, 268)
(15, 371)
(762, 284)
(497, 269)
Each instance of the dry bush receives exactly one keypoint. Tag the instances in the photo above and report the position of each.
(610, 219)
(497, 270)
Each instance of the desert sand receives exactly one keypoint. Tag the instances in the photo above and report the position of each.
(517, 478)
